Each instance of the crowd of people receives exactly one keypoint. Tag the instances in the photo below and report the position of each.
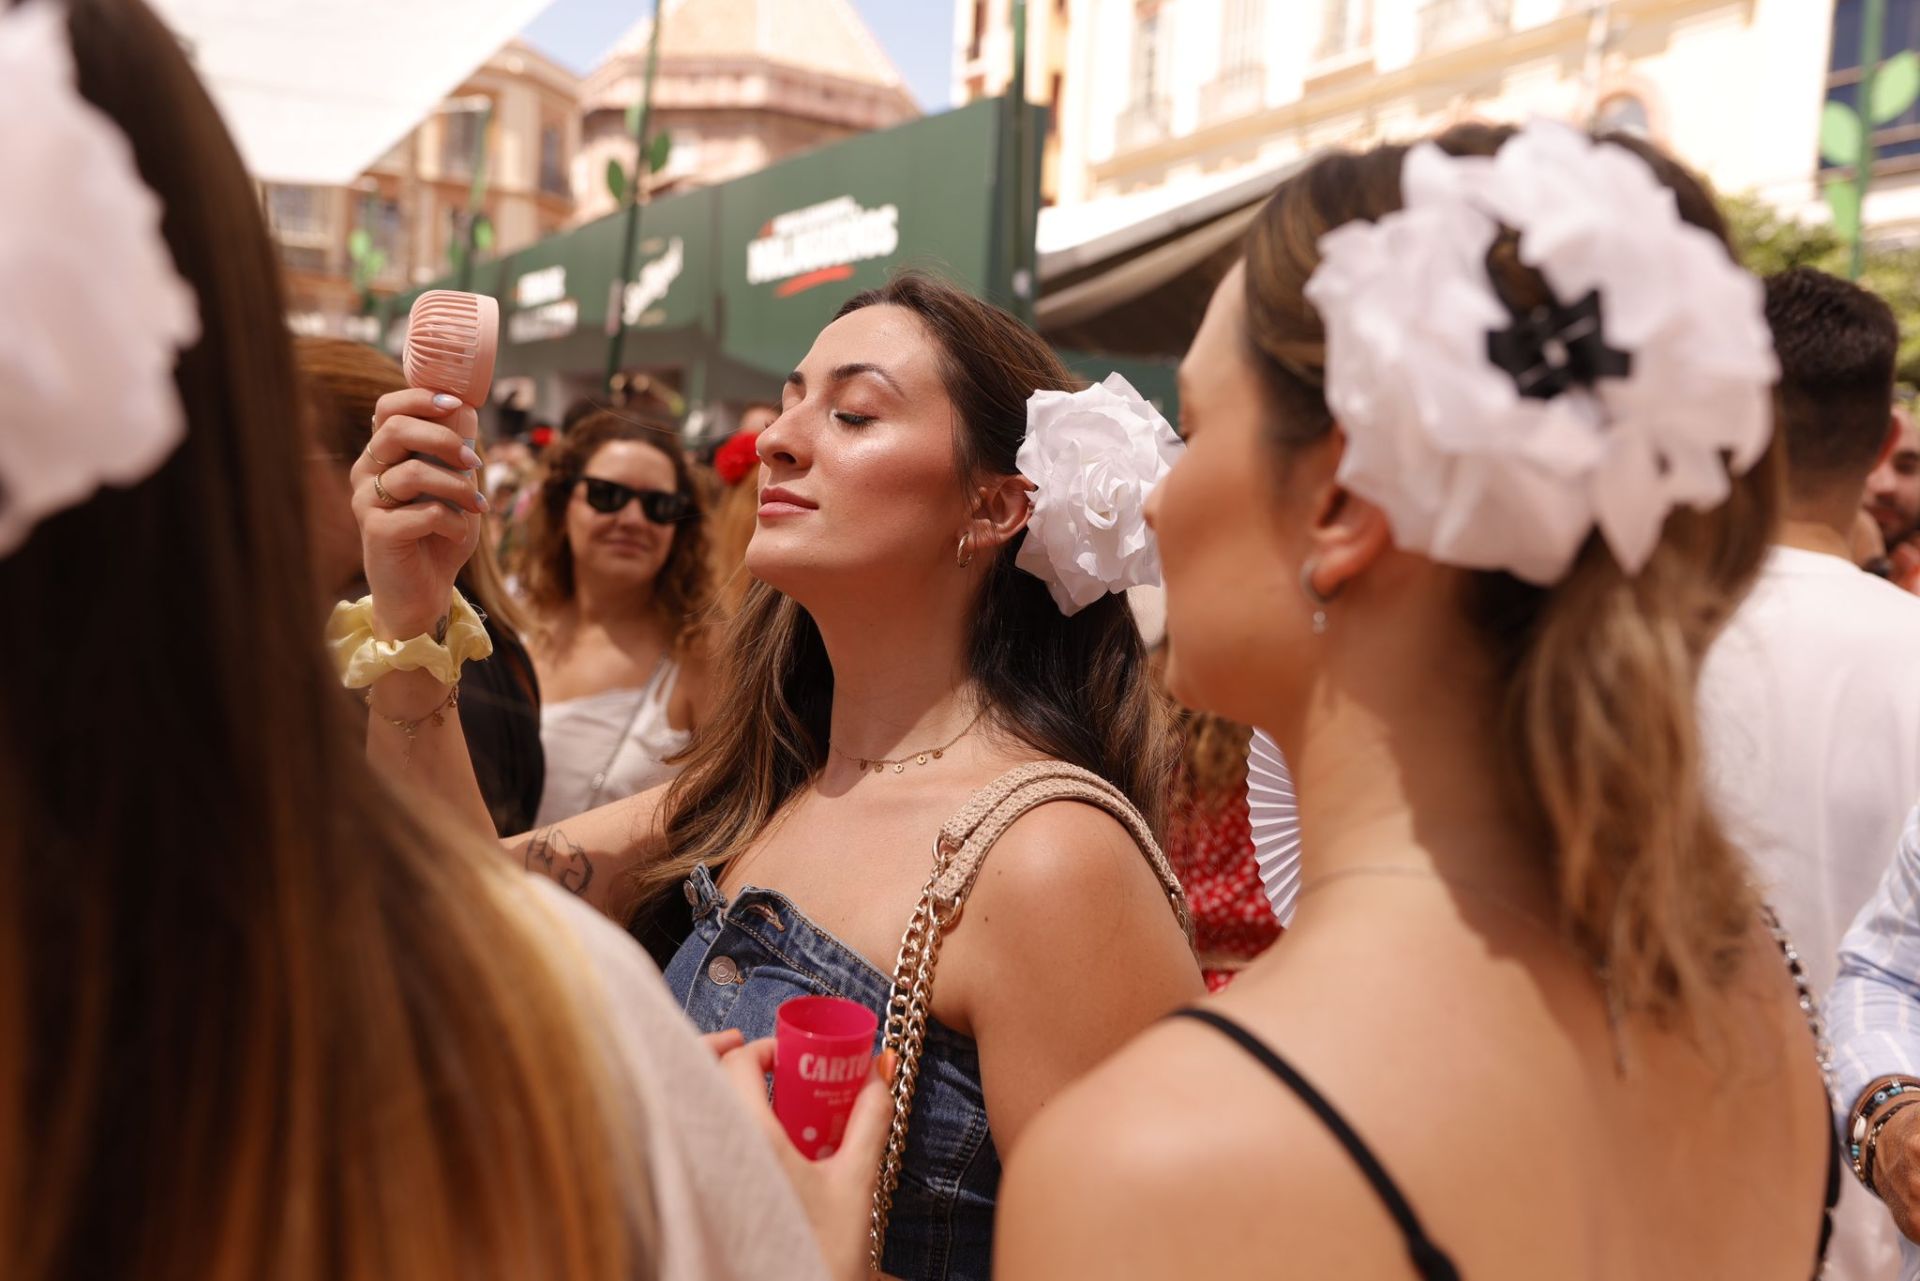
(413, 839)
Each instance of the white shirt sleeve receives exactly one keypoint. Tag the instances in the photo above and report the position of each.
(725, 1210)
(1873, 1012)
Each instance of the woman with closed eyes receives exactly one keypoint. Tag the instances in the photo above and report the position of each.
(902, 692)
(616, 575)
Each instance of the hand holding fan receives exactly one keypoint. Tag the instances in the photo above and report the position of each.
(452, 340)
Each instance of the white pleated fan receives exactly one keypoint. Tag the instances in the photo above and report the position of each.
(1275, 817)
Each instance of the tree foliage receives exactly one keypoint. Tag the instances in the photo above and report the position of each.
(1771, 241)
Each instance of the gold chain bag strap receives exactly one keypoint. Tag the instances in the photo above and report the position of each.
(958, 852)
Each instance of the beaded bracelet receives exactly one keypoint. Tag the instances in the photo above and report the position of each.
(1867, 1114)
(1873, 1141)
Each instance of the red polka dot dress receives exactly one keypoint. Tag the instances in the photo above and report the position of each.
(1210, 844)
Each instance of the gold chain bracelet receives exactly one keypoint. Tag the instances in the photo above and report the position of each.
(410, 728)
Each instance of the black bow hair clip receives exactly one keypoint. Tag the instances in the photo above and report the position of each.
(1551, 347)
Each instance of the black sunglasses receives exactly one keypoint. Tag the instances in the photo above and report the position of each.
(657, 505)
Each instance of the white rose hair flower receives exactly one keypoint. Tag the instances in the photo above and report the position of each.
(1498, 442)
(95, 313)
(1093, 457)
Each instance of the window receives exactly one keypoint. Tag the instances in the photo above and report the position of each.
(297, 213)
(553, 160)
(1242, 33)
(683, 155)
(979, 30)
(1148, 113)
(1446, 24)
(1897, 139)
(1149, 56)
(1624, 113)
(381, 220)
(460, 133)
(1346, 27)
(1240, 88)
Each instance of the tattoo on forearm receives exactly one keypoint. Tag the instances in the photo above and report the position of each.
(553, 855)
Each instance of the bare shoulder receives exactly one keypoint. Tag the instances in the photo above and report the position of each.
(1066, 848)
(1138, 1168)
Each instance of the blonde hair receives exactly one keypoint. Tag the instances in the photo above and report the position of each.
(735, 515)
(1213, 759)
(261, 1016)
(1599, 671)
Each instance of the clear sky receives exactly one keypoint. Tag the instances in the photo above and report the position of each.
(918, 35)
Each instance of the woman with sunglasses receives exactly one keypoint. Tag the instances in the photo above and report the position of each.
(615, 569)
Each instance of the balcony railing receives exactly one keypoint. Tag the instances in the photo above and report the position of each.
(1447, 24)
(1236, 91)
(1143, 124)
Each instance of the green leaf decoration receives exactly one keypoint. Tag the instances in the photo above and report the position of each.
(1895, 87)
(359, 243)
(1843, 197)
(617, 180)
(1843, 138)
(375, 261)
(483, 234)
(633, 119)
(658, 151)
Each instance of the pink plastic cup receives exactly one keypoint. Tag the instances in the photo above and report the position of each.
(822, 1055)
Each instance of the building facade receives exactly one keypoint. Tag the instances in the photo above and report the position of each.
(1153, 94)
(341, 248)
(740, 84)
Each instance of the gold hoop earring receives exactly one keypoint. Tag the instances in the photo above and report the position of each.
(963, 554)
(1314, 597)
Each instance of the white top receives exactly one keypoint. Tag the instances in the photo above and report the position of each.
(609, 745)
(1810, 709)
(723, 1209)
(1810, 715)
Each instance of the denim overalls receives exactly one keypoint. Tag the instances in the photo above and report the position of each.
(745, 957)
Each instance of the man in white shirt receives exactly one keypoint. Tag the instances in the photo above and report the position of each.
(1810, 701)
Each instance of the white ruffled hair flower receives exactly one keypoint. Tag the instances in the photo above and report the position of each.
(95, 314)
(1093, 457)
(1469, 469)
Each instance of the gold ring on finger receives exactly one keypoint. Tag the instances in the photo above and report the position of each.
(374, 458)
(380, 492)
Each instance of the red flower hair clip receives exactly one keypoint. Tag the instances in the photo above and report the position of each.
(738, 458)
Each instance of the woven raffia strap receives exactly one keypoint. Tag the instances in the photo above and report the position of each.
(995, 807)
(958, 853)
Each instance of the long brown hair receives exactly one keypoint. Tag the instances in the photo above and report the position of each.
(341, 381)
(680, 589)
(1598, 671)
(1076, 689)
(262, 1017)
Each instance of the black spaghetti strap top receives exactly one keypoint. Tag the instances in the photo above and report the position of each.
(1429, 1260)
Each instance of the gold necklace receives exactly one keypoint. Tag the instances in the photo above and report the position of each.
(878, 764)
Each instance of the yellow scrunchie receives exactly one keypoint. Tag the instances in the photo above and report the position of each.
(362, 660)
